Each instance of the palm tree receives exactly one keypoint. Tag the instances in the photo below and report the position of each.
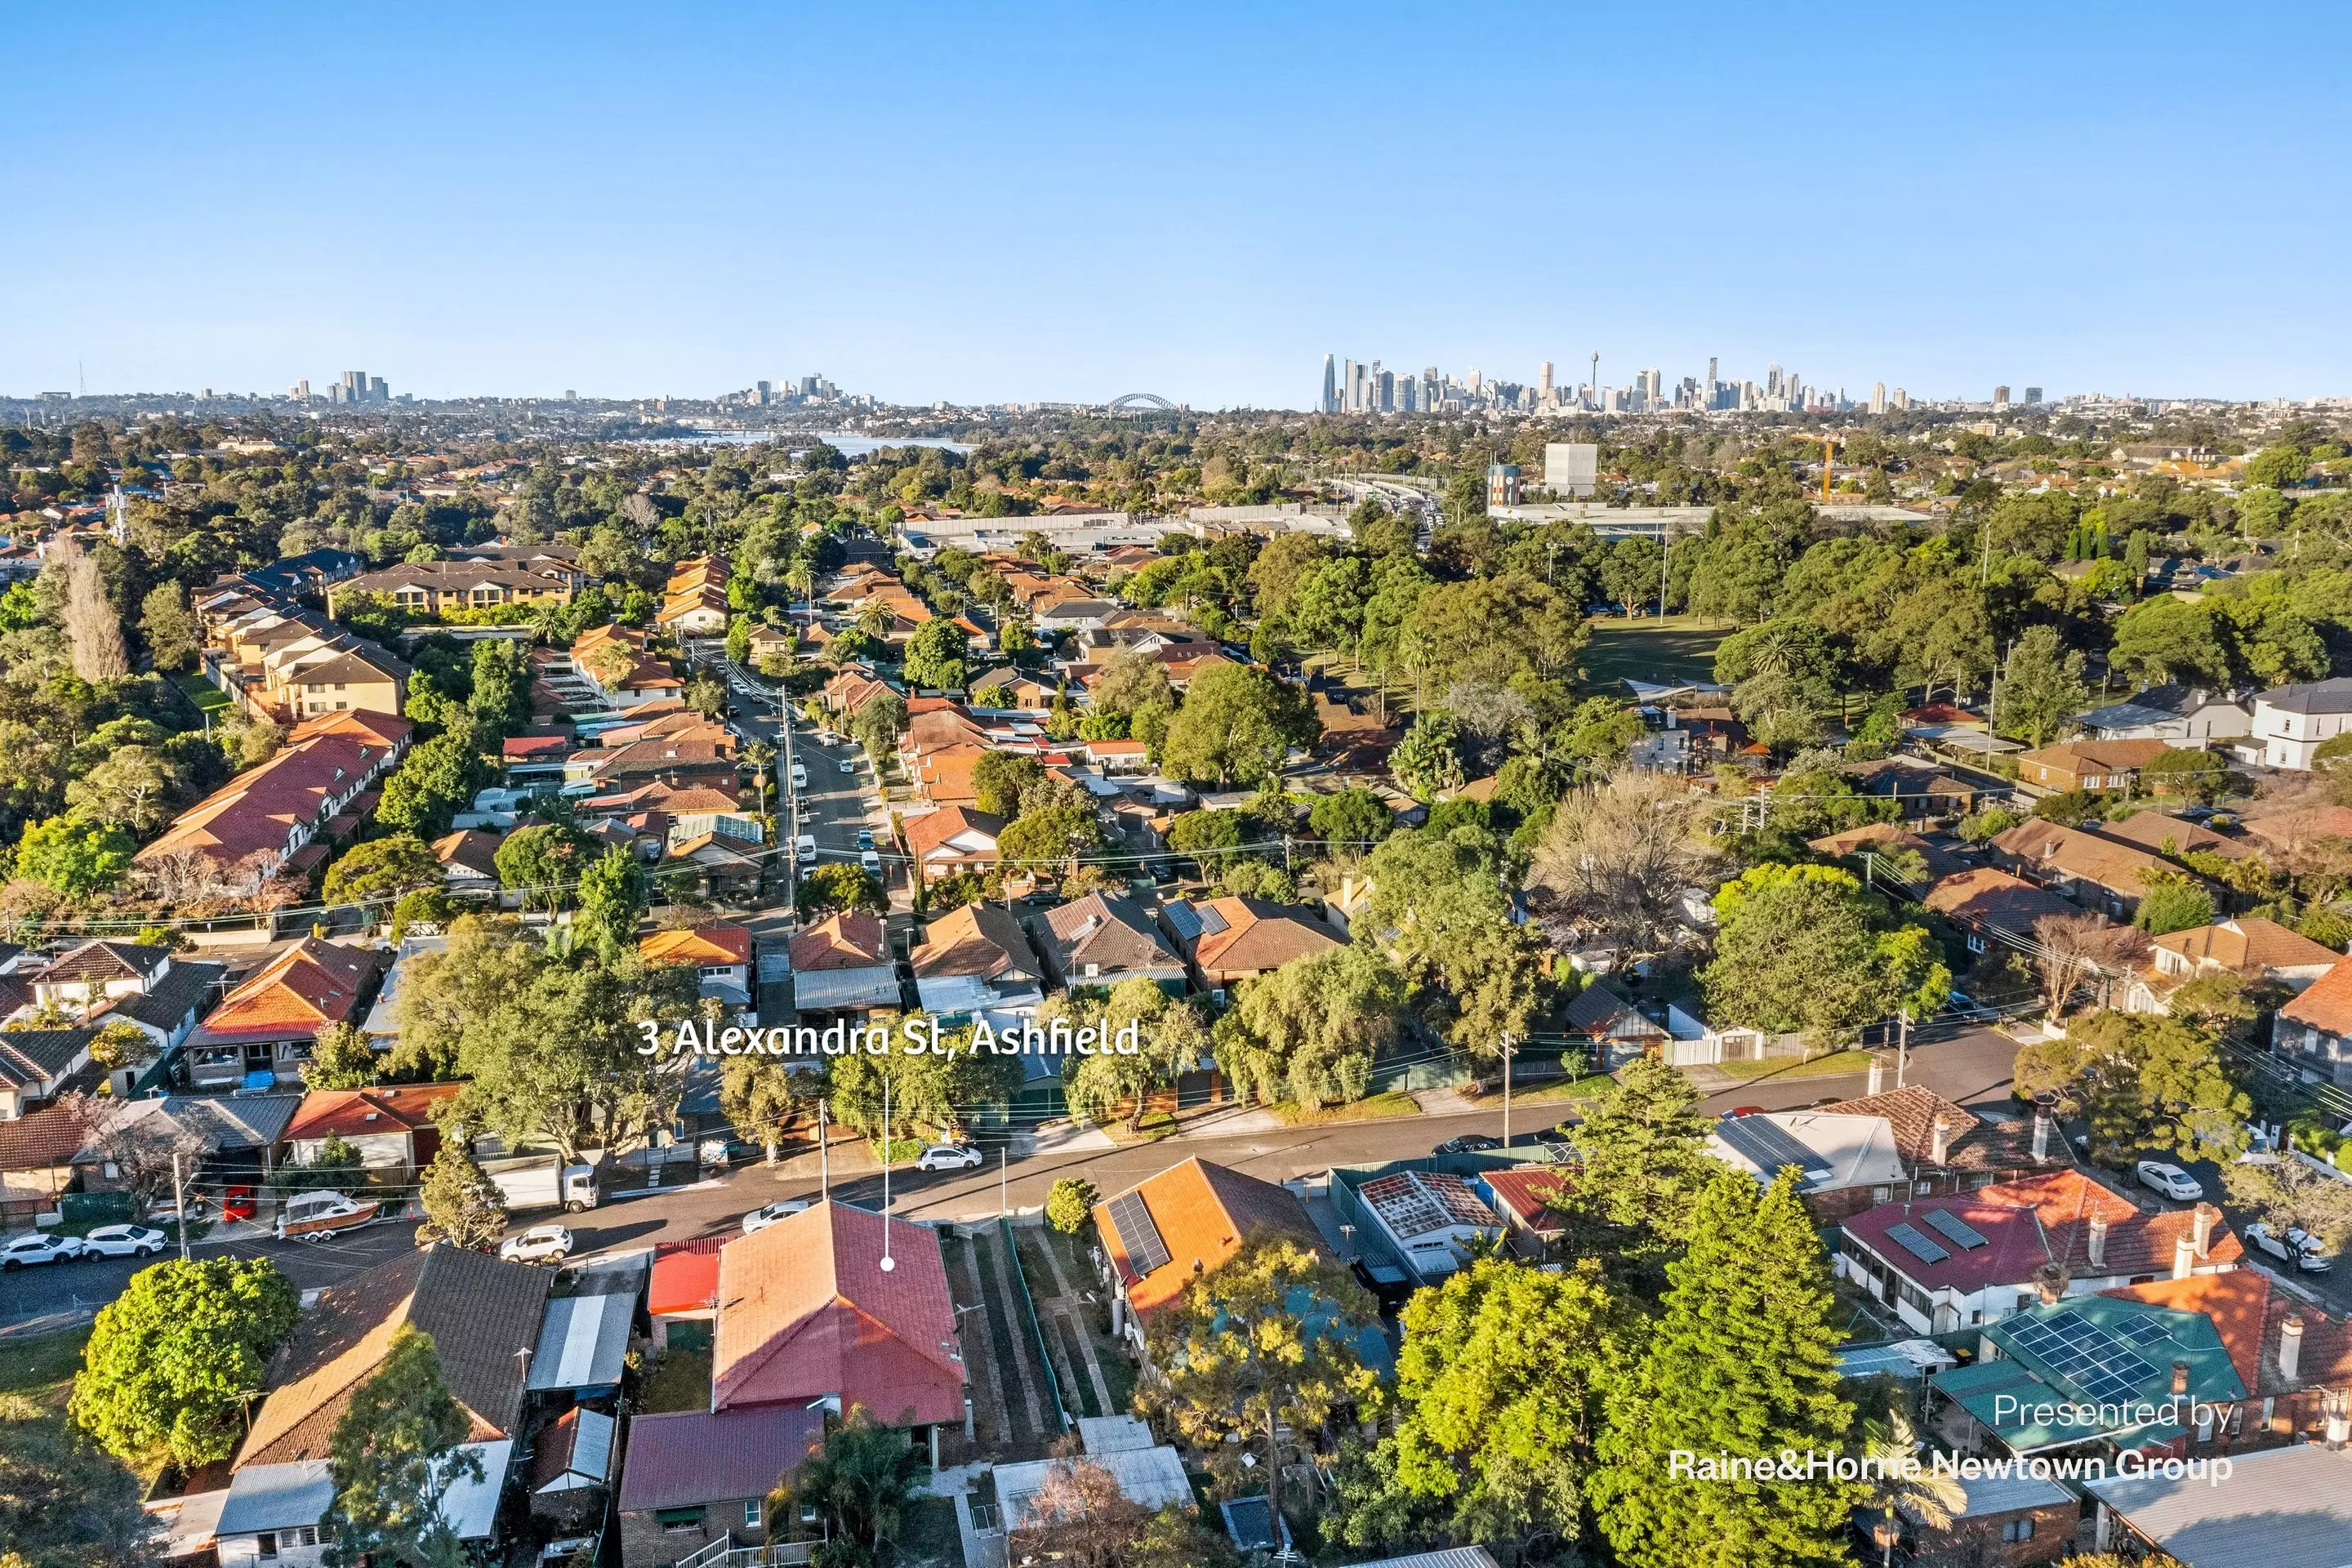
(761, 758)
(1929, 1495)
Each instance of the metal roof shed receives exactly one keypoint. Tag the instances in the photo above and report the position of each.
(582, 1341)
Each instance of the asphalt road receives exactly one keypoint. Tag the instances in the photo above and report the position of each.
(1972, 1068)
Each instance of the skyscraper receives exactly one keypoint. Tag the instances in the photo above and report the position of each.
(1878, 398)
(2033, 394)
(1330, 404)
(1385, 380)
(1899, 398)
(1352, 386)
(1543, 384)
(1999, 398)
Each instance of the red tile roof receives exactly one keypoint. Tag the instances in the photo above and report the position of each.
(845, 941)
(1205, 1214)
(2326, 1004)
(1526, 1193)
(702, 944)
(344, 1113)
(309, 985)
(805, 1310)
(685, 1275)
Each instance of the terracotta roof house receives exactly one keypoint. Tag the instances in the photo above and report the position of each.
(1948, 1148)
(477, 1310)
(1164, 1231)
(2246, 945)
(722, 956)
(391, 1126)
(938, 729)
(2088, 765)
(1883, 839)
(2298, 829)
(1983, 900)
(1954, 1262)
(695, 1479)
(951, 840)
(2314, 1030)
(269, 819)
(2173, 837)
(843, 964)
(852, 690)
(468, 860)
(2099, 874)
(267, 1024)
(1101, 940)
(36, 1162)
(944, 777)
(807, 1313)
(1226, 941)
(977, 959)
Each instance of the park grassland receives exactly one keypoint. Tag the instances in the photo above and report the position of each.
(1658, 649)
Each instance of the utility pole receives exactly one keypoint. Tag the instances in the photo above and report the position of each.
(824, 1158)
(1902, 1044)
(1003, 1180)
(1506, 1091)
(180, 1204)
(888, 1262)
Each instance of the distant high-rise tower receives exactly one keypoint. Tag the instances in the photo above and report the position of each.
(1477, 381)
(1899, 398)
(1543, 384)
(1999, 398)
(1595, 382)
(1386, 381)
(1878, 398)
(1330, 404)
(1710, 372)
(2033, 394)
(1772, 381)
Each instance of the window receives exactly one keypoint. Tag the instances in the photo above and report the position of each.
(678, 1518)
(1976, 943)
(266, 1545)
(751, 1514)
(2017, 1530)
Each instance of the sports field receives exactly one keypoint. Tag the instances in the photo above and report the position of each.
(1651, 648)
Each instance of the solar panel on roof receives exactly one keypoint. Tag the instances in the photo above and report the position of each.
(1138, 1233)
(1955, 1228)
(1912, 1241)
(2100, 1363)
(2147, 1332)
(1772, 1146)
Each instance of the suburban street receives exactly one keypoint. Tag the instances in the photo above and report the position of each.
(1972, 1069)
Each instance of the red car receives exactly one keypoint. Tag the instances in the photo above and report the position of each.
(1741, 1110)
(237, 1203)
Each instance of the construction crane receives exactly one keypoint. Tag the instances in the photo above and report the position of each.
(1829, 462)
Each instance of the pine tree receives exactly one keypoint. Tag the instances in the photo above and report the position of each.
(462, 1205)
(393, 1457)
(1741, 1363)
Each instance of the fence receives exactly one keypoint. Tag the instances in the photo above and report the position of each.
(1037, 1330)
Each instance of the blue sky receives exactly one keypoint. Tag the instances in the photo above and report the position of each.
(1071, 201)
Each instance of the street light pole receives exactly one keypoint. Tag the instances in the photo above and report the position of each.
(1506, 1091)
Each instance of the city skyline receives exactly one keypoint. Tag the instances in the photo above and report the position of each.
(447, 196)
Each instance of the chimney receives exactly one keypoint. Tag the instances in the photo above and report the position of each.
(2098, 1242)
(2184, 1258)
(2204, 1217)
(2290, 1357)
(2040, 1137)
(1939, 1153)
(2181, 1377)
(1877, 1075)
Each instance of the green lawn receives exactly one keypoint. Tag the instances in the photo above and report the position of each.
(202, 692)
(1157, 1124)
(1377, 1108)
(29, 1366)
(1831, 1066)
(1583, 1088)
(1676, 647)
(680, 1380)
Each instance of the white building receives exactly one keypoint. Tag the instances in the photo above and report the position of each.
(1431, 1218)
(2292, 721)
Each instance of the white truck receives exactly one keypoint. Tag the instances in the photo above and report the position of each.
(542, 1181)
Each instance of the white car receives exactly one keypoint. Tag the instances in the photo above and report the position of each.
(805, 848)
(946, 1157)
(800, 775)
(2170, 1180)
(871, 862)
(759, 1219)
(2297, 1247)
(41, 1246)
(125, 1241)
(540, 1244)
(849, 763)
